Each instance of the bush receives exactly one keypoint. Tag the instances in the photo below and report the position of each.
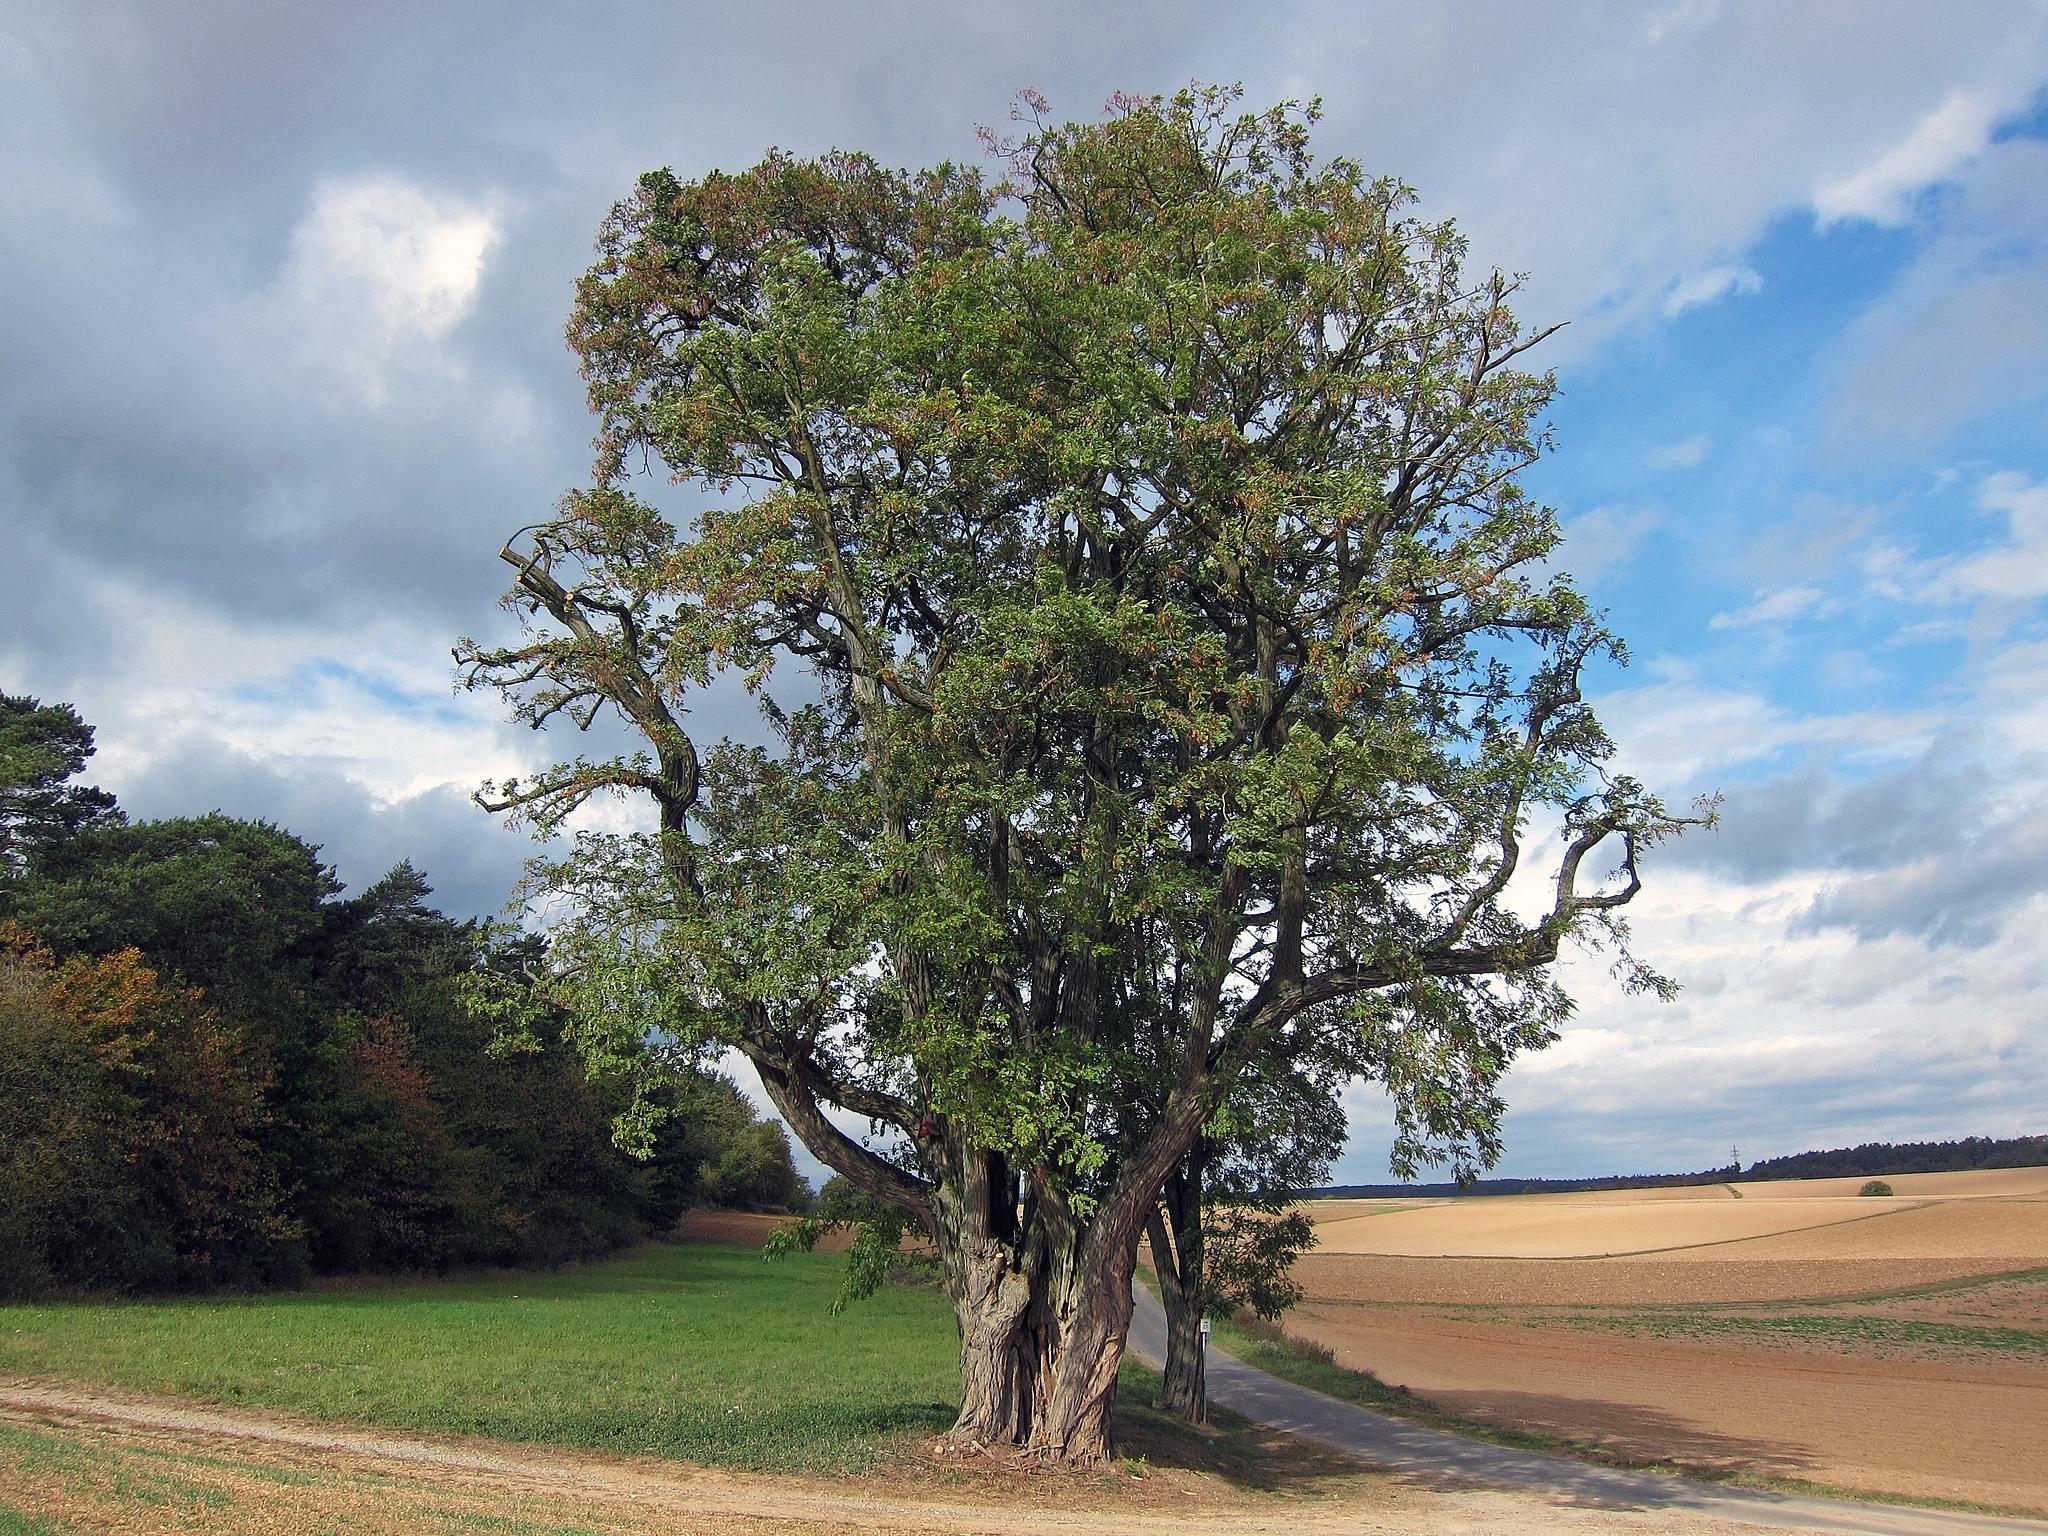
(1875, 1187)
(127, 1117)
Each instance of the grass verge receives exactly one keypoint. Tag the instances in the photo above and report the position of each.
(696, 1352)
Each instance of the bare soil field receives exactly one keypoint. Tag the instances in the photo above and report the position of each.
(750, 1229)
(1972, 1208)
(101, 1464)
(1621, 1282)
(1794, 1331)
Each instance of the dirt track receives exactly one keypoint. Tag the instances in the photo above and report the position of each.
(101, 1464)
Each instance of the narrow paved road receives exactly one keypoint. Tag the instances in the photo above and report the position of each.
(1432, 1454)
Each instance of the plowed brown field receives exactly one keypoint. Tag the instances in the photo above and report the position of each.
(1795, 1330)
(1609, 1223)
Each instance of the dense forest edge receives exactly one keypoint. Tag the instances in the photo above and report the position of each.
(219, 1069)
(1873, 1159)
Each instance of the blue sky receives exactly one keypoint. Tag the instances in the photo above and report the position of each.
(283, 304)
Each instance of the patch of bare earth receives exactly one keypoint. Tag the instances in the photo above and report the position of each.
(98, 1463)
(1621, 1282)
(746, 1229)
(1933, 1394)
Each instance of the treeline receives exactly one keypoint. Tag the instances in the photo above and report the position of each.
(1523, 1186)
(1874, 1159)
(218, 1069)
(1877, 1159)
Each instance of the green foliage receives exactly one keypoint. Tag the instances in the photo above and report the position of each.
(132, 1128)
(754, 1170)
(223, 1072)
(1875, 1187)
(236, 908)
(54, 1164)
(1248, 1256)
(41, 746)
(1885, 1159)
(1122, 468)
(876, 1251)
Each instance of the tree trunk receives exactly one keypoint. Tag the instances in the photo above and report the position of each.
(1079, 1362)
(999, 1363)
(1042, 1326)
(1042, 1300)
(1176, 1240)
(1089, 1302)
(995, 1263)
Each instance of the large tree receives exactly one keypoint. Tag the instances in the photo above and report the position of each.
(1164, 669)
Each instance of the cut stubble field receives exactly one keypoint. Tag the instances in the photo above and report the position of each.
(1790, 1335)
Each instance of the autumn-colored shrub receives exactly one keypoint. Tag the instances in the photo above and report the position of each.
(131, 1120)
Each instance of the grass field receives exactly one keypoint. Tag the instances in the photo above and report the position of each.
(698, 1352)
(695, 1353)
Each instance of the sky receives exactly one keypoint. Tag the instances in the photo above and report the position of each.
(282, 316)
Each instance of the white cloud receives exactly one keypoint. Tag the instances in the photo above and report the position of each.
(1778, 607)
(1602, 541)
(2014, 572)
(1682, 731)
(1630, 162)
(380, 267)
(1941, 144)
(1963, 333)
(1675, 21)
(1782, 1041)
(1714, 283)
(2020, 568)
(276, 695)
(1685, 455)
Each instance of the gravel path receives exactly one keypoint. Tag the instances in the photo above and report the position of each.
(1432, 1454)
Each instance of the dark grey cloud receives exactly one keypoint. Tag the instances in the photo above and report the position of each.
(471, 861)
(158, 420)
(1960, 893)
(1946, 849)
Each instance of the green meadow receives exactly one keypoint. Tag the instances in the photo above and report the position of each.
(699, 1352)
